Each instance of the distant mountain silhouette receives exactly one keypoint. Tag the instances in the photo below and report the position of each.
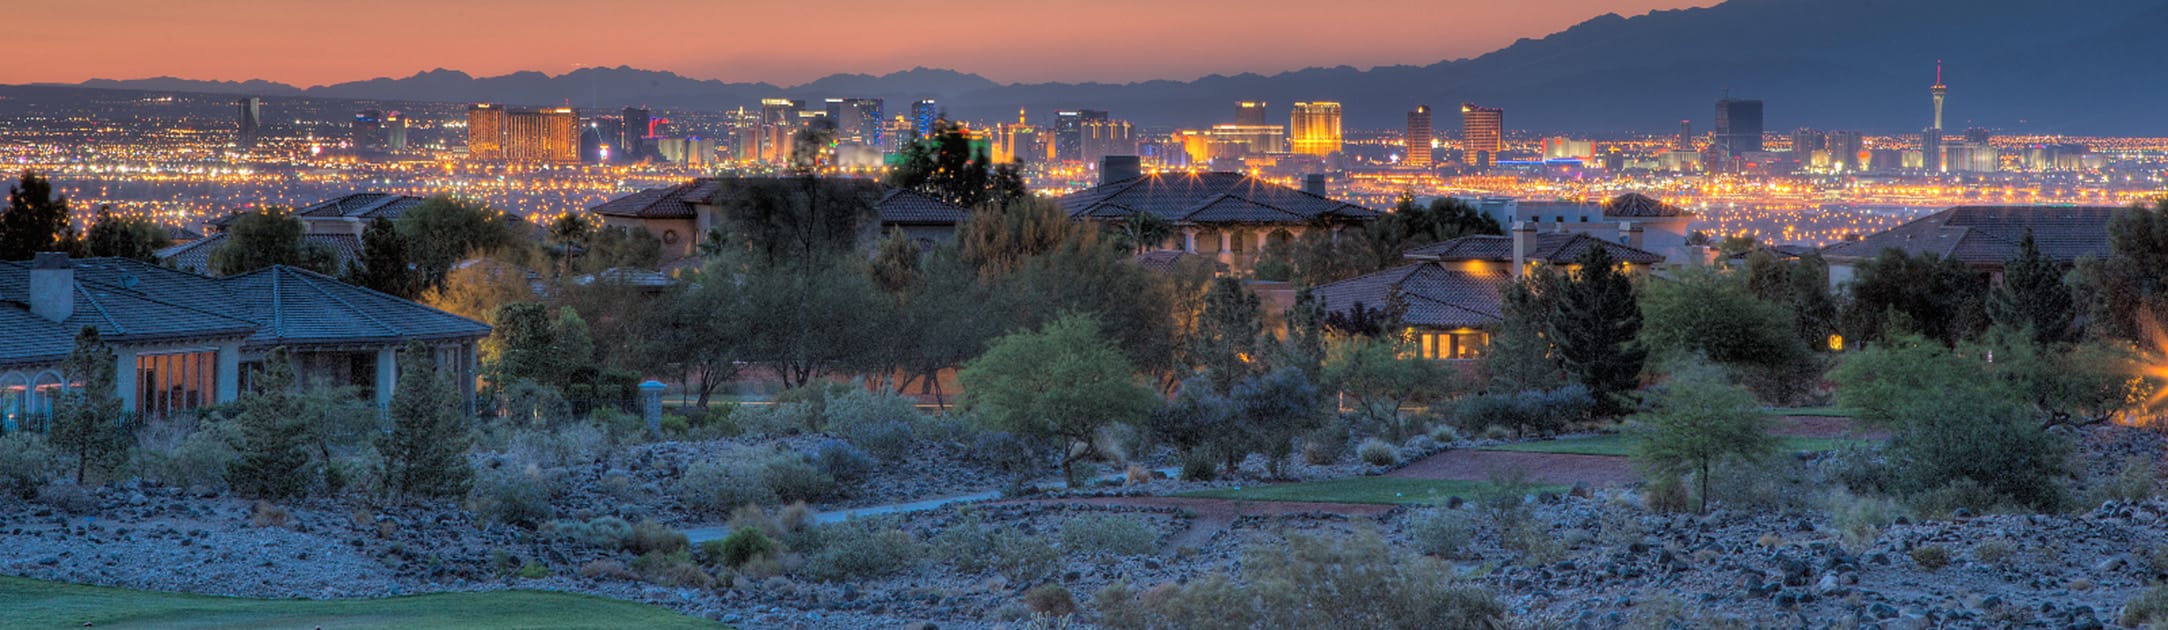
(2083, 66)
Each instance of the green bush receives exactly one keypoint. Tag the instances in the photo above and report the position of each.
(973, 547)
(26, 463)
(792, 478)
(1859, 519)
(1324, 446)
(1441, 532)
(1963, 492)
(1993, 551)
(1311, 583)
(858, 549)
(2149, 608)
(674, 569)
(776, 419)
(1052, 600)
(2134, 480)
(842, 461)
(1931, 557)
(194, 460)
(506, 491)
(882, 423)
(650, 536)
(740, 547)
(725, 481)
(1108, 534)
(1378, 453)
(1200, 465)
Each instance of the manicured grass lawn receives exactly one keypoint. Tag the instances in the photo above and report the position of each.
(1621, 445)
(1384, 490)
(1825, 412)
(27, 603)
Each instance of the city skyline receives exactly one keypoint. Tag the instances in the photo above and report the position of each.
(231, 40)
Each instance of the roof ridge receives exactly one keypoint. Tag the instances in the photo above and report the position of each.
(102, 313)
(350, 306)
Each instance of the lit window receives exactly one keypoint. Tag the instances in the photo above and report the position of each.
(175, 381)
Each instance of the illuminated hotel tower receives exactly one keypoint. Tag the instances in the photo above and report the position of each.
(1314, 128)
(1482, 133)
(485, 132)
(1940, 91)
(1417, 140)
(251, 121)
(1250, 113)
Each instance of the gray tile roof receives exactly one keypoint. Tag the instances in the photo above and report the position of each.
(1434, 296)
(897, 206)
(363, 205)
(1640, 206)
(196, 255)
(1551, 247)
(114, 301)
(909, 207)
(294, 306)
(1989, 235)
(1207, 198)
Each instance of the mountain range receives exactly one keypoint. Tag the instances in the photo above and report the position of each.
(2071, 67)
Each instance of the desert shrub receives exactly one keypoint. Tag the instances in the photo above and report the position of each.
(889, 440)
(650, 536)
(1377, 452)
(507, 492)
(1441, 532)
(1052, 600)
(880, 422)
(532, 571)
(1931, 557)
(675, 425)
(1538, 412)
(725, 481)
(780, 418)
(2133, 481)
(740, 547)
(1770, 484)
(67, 497)
(559, 445)
(1993, 551)
(177, 456)
(606, 569)
(1859, 519)
(673, 569)
(535, 405)
(1323, 447)
(859, 549)
(1354, 582)
(2149, 608)
(1861, 468)
(792, 478)
(26, 463)
(607, 532)
(267, 514)
(1007, 452)
(1083, 474)
(1200, 465)
(1962, 492)
(1667, 494)
(842, 461)
(1109, 534)
(973, 547)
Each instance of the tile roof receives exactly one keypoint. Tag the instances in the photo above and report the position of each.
(1207, 198)
(897, 206)
(196, 255)
(298, 306)
(1550, 247)
(362, 205)
(1433, 295)
(909, 207)
(116, 303)
(1639, 205)
(1989, 235)
(668, 202)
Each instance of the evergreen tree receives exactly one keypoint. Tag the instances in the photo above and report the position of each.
(1302, 342)
(274, 462)
(442, 232)
(87, 420)
(2033, 296)
(263, 238)
(1596, 329)
(895, 265)
(1942, 298)
(125, 237)
(1274, 408)
(1225, 345)
(521, 346)
(946, 166)
(383, 265)
(1521, 357)
(35, 220)
(425, 455)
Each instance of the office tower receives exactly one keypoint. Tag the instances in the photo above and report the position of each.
(485, 131)
(1069, 132)
(1417, 138)
(1482, 133)
(395, 126)
(251, 121)
(1931, 150)
(1686, 136)
(1807, 141)
(1738, 127)
(1104, 137)
(1250, 113)
(1564, 148)
(856, 120)
(924, 112)
(1844, 149)
(779, 123)
(1939, 90)
(1313, 128)
(632, 134)
(542, 135)
(368, 130)
(1977, 135)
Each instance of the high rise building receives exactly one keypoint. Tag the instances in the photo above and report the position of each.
(1069, 132)
(1103, 137)
(542, 135)
(1482, 133)
(779, 124)
(1417, 138)
(632, 135)
(485, 131)
(1807, 141)
(1250, 113)
(1939, 91)
(924, 112)
(1313, 128)
(395, 128)
(368, 130)
(1931, 150)
(1845, 148)
(1738, 127)
(857, 120)
(1686, 136)
(251, 121)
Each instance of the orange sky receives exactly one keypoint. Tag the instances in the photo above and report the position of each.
(310, 42)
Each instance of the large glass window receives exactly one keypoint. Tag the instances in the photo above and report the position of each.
(1462, 344)
(14, 400)
(175, 381)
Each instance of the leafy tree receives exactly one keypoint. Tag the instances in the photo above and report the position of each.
(1063, 382)
(274, 418)
(425, 454)
(263, 238)
(895, 265)
(1596, 330)
(36, 220)
(1227, 340)
(946, 166)
(1198, 418)
(801, 222)
(949, 319)
(1273, 409)
(129, 237)
(87, 418)
(1699, 420)
(442, 232)
(2033, 296)
(809, 321)
(1087, 276)
(1381, 383)
(476, 289)
(1942, 298)
(1520, 354)
(1707, 314)
(619, 248)
(383, 264)
(523, 346)
(1323, 254)
(2128, 290)
(998, 241)
(699, 328)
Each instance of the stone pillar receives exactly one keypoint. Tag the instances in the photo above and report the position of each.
(651, 405)
(1189, 240)
(1227, 241)
(124, 378)
(229, 371)
(387, 376)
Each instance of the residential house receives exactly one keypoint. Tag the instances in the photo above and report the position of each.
(1230, 217)
(1983, 237)
(1662, 227)
(681, 216)
(186, 341)
(334, 224)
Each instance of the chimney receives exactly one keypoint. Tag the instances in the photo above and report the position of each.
(1524, 244)
(1114, 168)
(1314, 183)
(1630, 234)
(52, 286)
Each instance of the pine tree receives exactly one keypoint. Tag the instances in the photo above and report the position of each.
(1225, 345)
(35, 220)
(2033, 296)
(125, 237)
(1520, 356)
(425, 455)
(87, 420)
(274, 462)
(1595, 331)
(383, 265)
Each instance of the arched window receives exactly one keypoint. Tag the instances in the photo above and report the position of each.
(44, 389)
(14, 400)
(1280, 236)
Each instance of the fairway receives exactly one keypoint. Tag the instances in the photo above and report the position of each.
(1621, 445)
(39, 604)
(1378, 490)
